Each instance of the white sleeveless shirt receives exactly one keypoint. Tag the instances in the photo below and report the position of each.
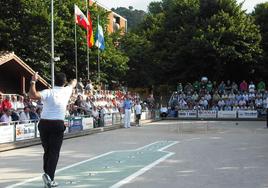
(55, 101)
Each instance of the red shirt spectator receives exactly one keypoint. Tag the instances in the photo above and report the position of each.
(243, 86)
(6, 104)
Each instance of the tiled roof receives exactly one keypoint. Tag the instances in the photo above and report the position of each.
(5, 56)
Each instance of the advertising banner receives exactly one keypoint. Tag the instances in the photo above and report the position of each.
(87, 123)
(116, 118)
(227, 114)
(247, 114)
(37, 131)
(187, 114)
(108, 120)
(143, 116)
(207, 114)
(6, 133)
(25, 131)
(132, 117)
(75, 124)
(147, 114)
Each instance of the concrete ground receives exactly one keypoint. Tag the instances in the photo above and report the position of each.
(171, 154)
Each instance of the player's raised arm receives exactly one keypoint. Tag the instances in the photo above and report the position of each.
(33, 93)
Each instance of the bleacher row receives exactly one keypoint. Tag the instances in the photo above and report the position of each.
(227, 96)
(17, 108)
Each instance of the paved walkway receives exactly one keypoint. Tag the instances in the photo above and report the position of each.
(170, 154)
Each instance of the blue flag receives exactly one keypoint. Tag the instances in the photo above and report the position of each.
(100, 38)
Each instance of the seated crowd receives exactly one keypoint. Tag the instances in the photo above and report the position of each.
(227, 96)
(85, 101)
(18, 108)
(98, 103)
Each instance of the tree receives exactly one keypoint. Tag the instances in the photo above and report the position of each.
(134, 17)
(137, 48)
(25, 29)
(260, 15)
(190, 39)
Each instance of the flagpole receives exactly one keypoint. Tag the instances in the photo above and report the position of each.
(87, 45)
(52, 44)
(76, 75)
(98, 54)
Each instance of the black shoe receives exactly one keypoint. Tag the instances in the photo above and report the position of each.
(47, 180)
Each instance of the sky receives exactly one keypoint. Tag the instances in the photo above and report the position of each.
(142, 4)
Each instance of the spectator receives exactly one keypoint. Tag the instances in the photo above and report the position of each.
(234, 87)
(245, 96)
(261, 86)
(209, 86)
(251, 87)
(215, 107)
(88, 106)
(138, 113)
(80, 86)
(20, 103)
(221, 104)
(6, 117)
(251, 97)
(27, 101)
(179, 87)
(25, 115)
(34, 116)
(228, 86)
(224, 95)
(203, 103)
(259, 102)
(203, 86)
(89, 87)
(231, 95)
(163, 111)
(96, 116)
(216, 97)
(208, 97)
(182, 104)
(243, 86)
(79, 104)
(221, 87)
(196, 86)
(242, 103)
(189, 88)
(195, 96)
(14, 102)
(127, 108)
(6, 104)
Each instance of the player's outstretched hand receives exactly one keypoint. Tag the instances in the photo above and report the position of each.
(35, 76)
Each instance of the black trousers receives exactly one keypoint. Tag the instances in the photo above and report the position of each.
(51, 135)
(267, 117)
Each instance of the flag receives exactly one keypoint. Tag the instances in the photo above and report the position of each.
(100, 38)
(90, 38)
(80, 18)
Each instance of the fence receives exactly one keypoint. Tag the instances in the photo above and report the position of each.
(213, 114)
(17, 131)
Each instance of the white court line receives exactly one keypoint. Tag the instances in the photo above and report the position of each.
(146, 168)
(87, 160)
(70, 166)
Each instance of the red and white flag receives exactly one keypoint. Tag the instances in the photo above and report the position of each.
(80, 18)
